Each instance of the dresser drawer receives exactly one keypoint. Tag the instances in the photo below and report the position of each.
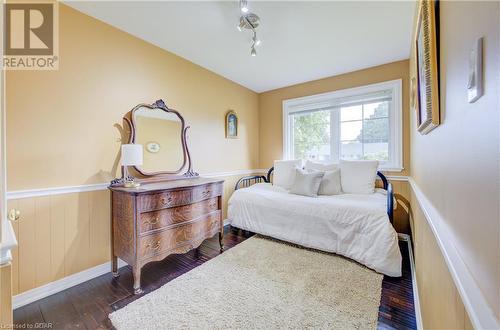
(151, 202)
(207, 191)
(159, 219)
(169, 239)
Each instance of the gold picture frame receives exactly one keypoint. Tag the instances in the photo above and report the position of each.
(424, 70)
(231, 125)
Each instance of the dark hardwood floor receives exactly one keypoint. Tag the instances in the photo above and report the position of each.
(87, 305)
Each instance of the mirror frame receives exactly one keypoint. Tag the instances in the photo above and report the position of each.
(162, 175)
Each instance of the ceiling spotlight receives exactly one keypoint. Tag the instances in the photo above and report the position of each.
(244, 6)
(253, 52)
(249, 21)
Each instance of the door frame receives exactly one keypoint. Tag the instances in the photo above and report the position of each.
(7, 236)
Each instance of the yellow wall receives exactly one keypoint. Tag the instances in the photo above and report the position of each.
(457, 164)
(271, 108)
(63, 126)
(401, 213)
(58, 236)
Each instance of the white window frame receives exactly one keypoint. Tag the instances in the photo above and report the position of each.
(330, 99)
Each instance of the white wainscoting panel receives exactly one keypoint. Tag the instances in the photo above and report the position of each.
(476, 305)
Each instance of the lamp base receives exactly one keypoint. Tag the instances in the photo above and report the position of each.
(131, 184)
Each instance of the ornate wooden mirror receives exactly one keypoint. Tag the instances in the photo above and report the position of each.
(162, 133)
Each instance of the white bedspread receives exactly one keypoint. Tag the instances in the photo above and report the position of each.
(355, 226)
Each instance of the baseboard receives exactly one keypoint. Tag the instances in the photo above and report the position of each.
(416, 300)
(51, 288)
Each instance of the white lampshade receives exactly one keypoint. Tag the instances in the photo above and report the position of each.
(131, 154)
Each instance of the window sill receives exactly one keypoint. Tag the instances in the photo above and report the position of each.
(390, 169)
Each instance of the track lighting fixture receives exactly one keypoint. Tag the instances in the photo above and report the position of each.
(255, 40)
(249, 21)
(241, 25)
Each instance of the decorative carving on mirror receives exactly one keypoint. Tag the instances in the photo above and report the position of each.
(167, 128)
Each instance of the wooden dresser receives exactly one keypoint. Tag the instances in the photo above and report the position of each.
(161, 218)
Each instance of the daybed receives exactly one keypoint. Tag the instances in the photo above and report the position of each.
(357, 226)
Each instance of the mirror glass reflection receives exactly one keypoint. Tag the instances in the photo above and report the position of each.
(160, 134)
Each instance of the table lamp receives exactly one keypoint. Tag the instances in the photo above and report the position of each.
(131, 156)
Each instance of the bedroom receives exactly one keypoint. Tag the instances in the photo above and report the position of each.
(322, 242)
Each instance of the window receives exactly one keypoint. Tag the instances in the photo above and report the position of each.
(351, 124)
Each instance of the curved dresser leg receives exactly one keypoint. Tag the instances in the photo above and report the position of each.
(221, 243)
(136, 270)
(114, 266)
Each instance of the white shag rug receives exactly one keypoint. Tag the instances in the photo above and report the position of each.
(262, 284)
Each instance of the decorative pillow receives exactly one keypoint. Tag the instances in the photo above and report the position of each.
(284, 172)
(320, 166)
(306, 183)
(358, 177)
(330, 184)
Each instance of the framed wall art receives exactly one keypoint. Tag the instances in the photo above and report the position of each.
(424, 72)
(231, 125)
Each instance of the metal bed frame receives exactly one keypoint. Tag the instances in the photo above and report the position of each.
(247, 181)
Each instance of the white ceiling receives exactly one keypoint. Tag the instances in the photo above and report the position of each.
(301, 41)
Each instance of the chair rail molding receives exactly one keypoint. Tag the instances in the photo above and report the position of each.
(480, 313)
(29, 193)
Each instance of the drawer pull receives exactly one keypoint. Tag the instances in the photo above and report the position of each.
(166, 200)
(206, 192)
(155, 247)
(152, 221)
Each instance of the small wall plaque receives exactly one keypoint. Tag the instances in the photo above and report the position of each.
(153, 147)
(231, 125)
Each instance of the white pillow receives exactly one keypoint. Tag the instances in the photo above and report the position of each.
(284, 172)
(330, 184)
(358, 177)
(306, 183)
(320, 166)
